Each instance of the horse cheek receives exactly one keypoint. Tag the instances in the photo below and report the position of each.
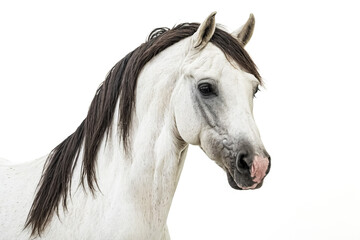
(187, 122)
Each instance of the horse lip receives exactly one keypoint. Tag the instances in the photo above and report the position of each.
(234, 185)
(232, 182)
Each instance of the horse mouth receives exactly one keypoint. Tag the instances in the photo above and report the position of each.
(237, 186)
(232, 182)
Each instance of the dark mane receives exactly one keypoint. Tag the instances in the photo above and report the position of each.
(55, 182)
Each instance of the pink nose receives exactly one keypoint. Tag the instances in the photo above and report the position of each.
(259, 168)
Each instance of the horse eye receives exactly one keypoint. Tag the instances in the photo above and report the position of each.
(206, 89)
(256, 90)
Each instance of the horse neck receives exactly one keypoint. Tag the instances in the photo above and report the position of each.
(148, 174)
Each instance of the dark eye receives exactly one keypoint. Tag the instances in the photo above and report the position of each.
(206, 89)
(256, 90)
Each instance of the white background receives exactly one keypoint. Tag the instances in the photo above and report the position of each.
(53, 56)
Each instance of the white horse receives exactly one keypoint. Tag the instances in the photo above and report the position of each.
(115, 176)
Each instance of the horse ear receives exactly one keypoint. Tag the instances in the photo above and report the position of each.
(244, 33)
(205, 32)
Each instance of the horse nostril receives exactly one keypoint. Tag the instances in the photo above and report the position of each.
(242, 162)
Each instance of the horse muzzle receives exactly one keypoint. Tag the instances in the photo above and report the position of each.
(248, 172)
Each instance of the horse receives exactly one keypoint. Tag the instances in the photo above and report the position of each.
(115, 176)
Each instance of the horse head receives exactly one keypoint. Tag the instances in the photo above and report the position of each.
(214, 104)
